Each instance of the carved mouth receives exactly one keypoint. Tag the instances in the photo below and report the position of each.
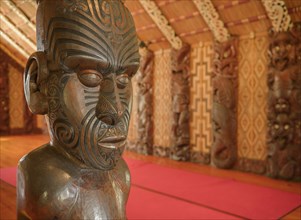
(112, 142)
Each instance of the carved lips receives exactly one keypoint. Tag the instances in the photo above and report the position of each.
(112, 142)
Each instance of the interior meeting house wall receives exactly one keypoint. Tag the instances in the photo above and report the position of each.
(233, 103)
(229, 105)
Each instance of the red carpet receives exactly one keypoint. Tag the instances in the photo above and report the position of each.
(241, 199)
(9, 175)
(144, 204)
(164, 193)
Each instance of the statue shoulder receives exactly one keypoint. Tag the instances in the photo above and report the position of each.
(44, 165)
(44, 177)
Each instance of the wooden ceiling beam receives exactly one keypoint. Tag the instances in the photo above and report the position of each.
(160, 20)
(211, 17)
(278, 14)
(20, 13)
(15, 56)
(232, 3)
(16, 31)
(12, 43)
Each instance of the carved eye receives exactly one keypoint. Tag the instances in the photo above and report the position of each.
(277, 48)
(288, 46)
(276, 126)
(286, 127)
(226, 54)
(90, 78)
(122, 81)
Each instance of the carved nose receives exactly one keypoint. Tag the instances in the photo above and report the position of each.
(109, 119)
(106, 112)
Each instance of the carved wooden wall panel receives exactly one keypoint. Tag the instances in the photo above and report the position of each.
(252, 92)
(15, 115)
(162, 99)
(16, 98)
(284, 104)
(224, 109)
(180, 101)
(145, 103)
(4, 98)
(201, 103)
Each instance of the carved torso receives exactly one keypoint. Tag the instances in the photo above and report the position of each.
(75, 192)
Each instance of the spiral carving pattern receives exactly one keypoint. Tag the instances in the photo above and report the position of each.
(65, 133)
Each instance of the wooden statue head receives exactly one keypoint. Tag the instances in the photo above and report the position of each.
(80, 78)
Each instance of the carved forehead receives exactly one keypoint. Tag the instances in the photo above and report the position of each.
(101, 29)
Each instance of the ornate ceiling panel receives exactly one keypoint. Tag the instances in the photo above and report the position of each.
(211, 16)
(160, 20)
(278, 14)
(181, 19)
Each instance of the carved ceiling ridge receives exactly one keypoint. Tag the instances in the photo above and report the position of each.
(155, 13)
(278, 14)
(211, 17)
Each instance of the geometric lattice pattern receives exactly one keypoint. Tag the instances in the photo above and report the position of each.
(16, 98)
(133, 129)
(252, 97)
(162, 111)
(201, 99)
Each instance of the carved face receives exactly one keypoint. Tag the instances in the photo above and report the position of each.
(282, 106)
(93, 54)
(281, 130)
(281, 50)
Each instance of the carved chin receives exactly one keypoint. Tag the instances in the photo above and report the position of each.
(98, 155)
(100, 145)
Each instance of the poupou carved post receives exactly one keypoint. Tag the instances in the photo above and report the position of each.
(284, 104)
(80, 78)
(145, 102)
(180, 149)
(224, 109)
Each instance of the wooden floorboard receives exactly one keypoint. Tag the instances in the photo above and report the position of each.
(7, 201)
(12, 148)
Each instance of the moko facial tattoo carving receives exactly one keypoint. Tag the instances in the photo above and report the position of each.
(80, 78)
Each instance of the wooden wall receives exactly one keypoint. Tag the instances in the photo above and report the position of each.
(15, 115)
(252, 102)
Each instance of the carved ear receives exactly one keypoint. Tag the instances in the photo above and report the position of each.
(35, 76)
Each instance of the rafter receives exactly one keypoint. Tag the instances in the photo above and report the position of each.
(33, 4)
(155, 13)
(13, 44)
(17, 31)
(19, 59)
(20, 14)
(211, 17)
(278, 14)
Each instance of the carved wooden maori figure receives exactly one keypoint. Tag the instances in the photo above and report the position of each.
(224, 108)
(80, 78)
(145, 103)
(284, 104)
(180, 100)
